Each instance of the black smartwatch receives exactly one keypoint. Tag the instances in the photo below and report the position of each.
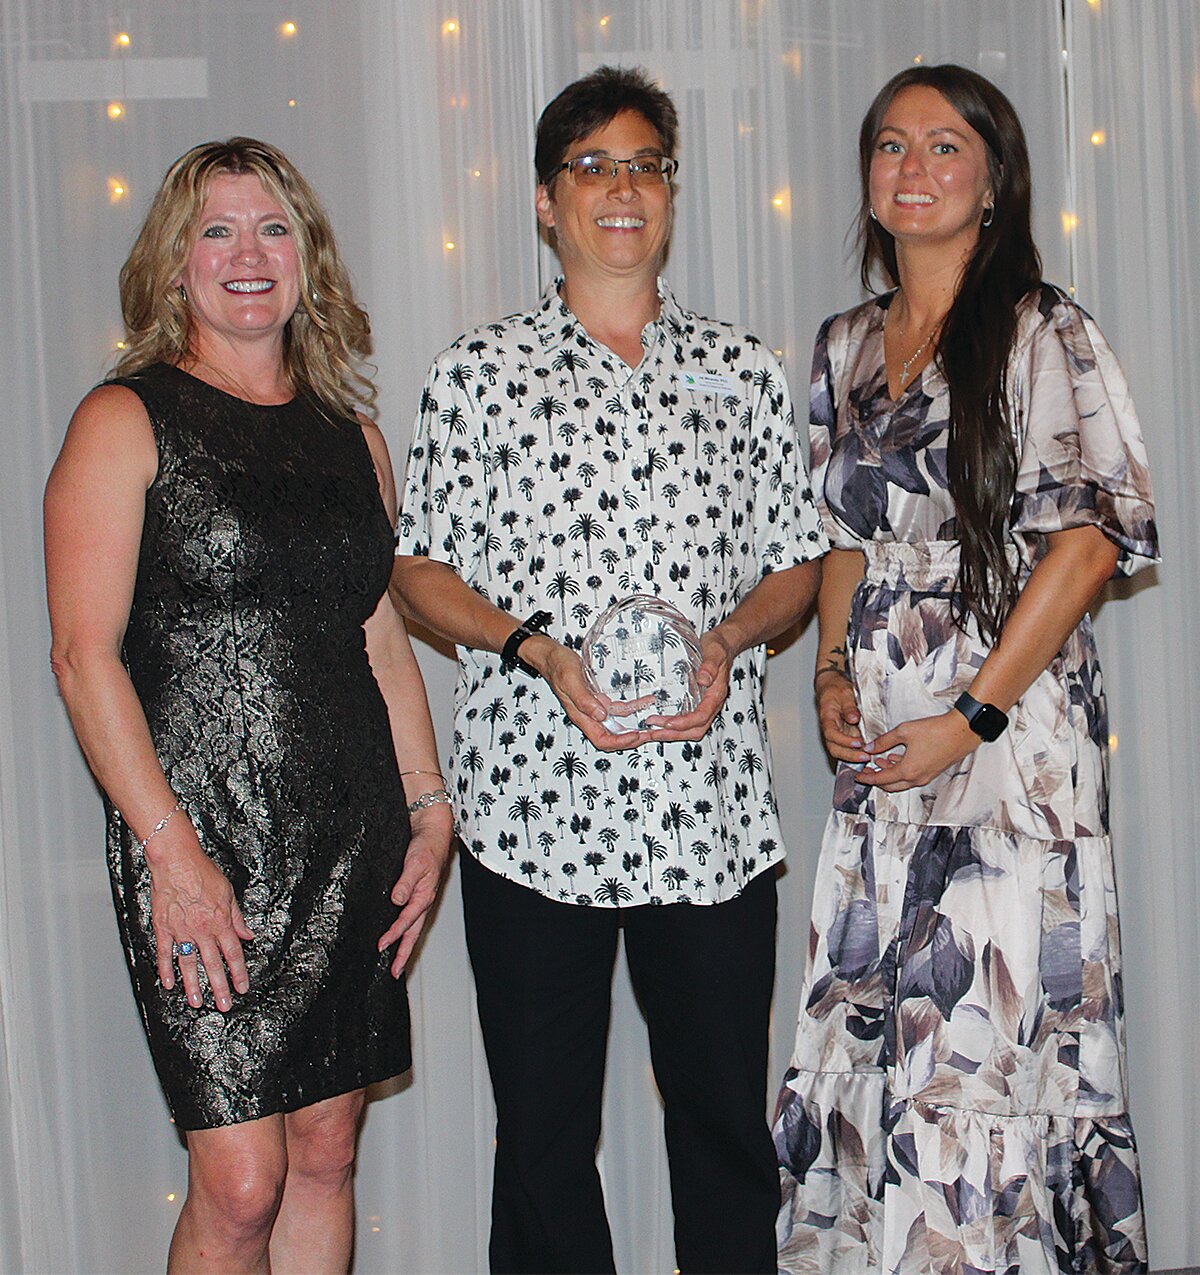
(509, 657)
(986, 720)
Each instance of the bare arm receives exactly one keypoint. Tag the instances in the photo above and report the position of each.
(1057, 594)
(433, 593)
(94, 506)
(836, 708)
(403, 689)
(775, 603)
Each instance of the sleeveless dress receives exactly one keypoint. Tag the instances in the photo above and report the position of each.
(957, 1099)
(265, 547)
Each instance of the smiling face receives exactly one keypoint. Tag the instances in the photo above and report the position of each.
(929, 177)
(616, 229)
(242, 276)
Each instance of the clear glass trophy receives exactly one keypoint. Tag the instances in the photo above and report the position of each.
(642, 654)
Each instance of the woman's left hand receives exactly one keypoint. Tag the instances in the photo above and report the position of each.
(420, 880)
(930, 745)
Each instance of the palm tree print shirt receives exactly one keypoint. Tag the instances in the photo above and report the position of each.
(551, 476)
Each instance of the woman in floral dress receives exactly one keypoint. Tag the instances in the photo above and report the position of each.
(957, 1097)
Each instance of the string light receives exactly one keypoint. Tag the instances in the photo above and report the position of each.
(1099, 137)
(115, 110)
(122, 41)
(919, 59)
(1112, 742)
(604, 21)
(449, 245)
(449, 27)
(291, 101)
(170, 1194)
(1093, 4)
(782, 201)
(1069, 222)
(116, 190)
(120, 345)
(792, 60)
(288, 29)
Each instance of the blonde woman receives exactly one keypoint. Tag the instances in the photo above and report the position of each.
(218, 543)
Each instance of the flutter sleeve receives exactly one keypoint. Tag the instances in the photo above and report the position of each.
(1081, 458)
(822, 431)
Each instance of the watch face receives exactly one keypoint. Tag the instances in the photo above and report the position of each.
(989, 722)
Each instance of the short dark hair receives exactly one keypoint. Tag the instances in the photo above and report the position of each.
(590, 103)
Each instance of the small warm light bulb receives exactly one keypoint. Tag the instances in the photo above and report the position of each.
(170, 1197)
(919, 59)
(374, 1230)
(115, 110)
(449, 26)
(476, 172)
(449, 245)
(288, 28)
(120, 346)
(116, 190)
(605, 21)
(291, 101)
(1112, 742)
(782, 200)
(1069, 222)
(1093, 4)
(123, 40)
(1099, 137)
(792, 60)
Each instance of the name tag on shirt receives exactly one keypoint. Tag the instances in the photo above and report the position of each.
(710, 383)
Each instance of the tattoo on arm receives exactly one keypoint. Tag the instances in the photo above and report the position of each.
(836, 661)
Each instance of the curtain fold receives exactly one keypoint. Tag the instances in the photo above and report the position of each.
(414, 121)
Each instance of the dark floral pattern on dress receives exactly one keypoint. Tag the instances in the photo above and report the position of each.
(551, 476)
(956, 1100)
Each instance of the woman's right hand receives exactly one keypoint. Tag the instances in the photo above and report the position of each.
(192, 901)
(838, 714)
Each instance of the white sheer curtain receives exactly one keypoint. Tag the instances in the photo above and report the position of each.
(414, 120)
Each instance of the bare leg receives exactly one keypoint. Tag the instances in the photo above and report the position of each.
(314, 1232)
(235, 1181)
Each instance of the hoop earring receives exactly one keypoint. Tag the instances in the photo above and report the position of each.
(990, 210)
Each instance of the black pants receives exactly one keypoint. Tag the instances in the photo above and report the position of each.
(704, 976)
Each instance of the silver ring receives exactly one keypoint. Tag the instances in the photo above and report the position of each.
(186, 948)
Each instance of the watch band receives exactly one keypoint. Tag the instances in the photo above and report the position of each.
(986, 720)
(509, 657)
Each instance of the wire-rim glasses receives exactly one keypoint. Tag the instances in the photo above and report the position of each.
(599, 170)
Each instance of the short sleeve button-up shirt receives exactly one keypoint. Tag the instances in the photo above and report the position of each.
(551, 476)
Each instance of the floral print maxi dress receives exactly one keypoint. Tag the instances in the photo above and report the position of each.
(957, 1100)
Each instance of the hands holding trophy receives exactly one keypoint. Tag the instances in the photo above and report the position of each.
(641, 655)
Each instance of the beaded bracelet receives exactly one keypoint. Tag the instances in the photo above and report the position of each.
(160, 825)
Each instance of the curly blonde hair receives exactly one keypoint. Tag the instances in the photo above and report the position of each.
(328, 337)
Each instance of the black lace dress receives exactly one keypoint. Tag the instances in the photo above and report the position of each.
(265, 547)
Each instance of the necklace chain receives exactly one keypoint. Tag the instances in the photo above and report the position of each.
(905, 364)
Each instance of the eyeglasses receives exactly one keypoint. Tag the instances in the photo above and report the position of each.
(599, 170)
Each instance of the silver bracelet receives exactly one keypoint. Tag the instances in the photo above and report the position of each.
(160, 825)
(435, 797)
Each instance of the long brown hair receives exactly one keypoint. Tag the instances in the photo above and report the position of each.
(329, 335)
(977, 335)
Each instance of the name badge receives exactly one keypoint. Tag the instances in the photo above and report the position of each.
(710, 383)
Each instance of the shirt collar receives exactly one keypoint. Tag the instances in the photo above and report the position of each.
(555, 317)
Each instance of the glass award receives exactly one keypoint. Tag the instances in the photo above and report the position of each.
(642, 655)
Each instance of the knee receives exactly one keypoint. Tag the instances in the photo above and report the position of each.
(239, 1195)
(321, 1144)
